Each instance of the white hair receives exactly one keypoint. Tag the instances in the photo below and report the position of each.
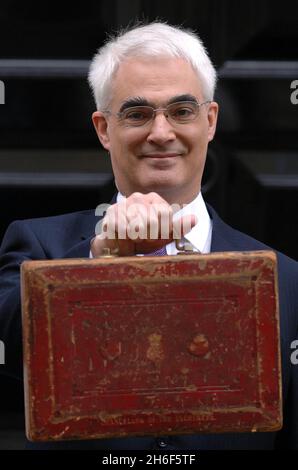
(152, 40)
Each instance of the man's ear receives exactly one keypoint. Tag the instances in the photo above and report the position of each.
(101, 126)
(212, 119)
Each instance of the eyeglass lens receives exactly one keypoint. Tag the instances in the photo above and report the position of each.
(178, 112)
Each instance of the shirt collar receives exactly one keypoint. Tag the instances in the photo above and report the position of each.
(201, 234)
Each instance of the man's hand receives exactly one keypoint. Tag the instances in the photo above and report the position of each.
(142, 223)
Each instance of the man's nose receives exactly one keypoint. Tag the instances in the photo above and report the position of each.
(161, 130)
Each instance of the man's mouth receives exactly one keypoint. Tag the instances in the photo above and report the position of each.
(161, 155)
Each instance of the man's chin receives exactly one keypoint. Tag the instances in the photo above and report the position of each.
(161, 186)
(164, 164)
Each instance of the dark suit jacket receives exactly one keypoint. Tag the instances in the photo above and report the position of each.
(68, 236)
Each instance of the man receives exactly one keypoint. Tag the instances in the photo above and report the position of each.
(154, 88)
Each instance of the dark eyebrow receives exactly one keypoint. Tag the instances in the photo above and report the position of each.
(134, 101)
(140, 101)
(185, 97)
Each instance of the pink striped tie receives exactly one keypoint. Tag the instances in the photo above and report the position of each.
(160, 252)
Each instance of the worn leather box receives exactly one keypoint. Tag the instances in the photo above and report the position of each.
(151, 345)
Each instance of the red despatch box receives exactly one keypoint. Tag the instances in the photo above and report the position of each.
(151, 345)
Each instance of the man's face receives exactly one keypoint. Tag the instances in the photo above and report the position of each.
(160, 156)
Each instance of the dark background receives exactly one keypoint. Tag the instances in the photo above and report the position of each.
(51, 161)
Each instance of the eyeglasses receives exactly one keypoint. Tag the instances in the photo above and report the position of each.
(181, 112)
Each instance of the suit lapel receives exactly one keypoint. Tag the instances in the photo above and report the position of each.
(222, 234)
